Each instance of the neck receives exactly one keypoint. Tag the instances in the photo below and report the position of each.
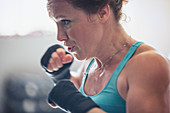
(112, 45)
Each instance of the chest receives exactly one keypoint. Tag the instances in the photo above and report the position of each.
(95, 85)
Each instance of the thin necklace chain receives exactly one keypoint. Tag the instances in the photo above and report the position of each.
(102, 65)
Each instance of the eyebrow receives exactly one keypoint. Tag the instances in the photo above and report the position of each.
(58, 18)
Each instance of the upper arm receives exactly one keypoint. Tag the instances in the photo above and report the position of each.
(148, 81)
(96, 110)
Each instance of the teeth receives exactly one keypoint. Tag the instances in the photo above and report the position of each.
(69, 48)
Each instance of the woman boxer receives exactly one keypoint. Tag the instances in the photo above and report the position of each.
(124, 75)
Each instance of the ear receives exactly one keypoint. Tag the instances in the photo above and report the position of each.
(104, 14)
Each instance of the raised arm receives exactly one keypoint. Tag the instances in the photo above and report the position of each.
(56, 61)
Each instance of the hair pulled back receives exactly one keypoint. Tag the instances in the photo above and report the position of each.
(93, 6)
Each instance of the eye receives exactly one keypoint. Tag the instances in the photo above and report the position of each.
(65, 22)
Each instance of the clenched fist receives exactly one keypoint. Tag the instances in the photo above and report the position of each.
(56, 61)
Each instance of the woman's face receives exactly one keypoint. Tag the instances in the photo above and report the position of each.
(81, 35)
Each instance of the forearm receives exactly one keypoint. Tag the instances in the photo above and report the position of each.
(96, 110)
(66, 95)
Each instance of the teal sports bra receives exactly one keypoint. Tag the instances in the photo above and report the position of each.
(109, 99)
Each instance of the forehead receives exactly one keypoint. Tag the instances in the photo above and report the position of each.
(60, 9)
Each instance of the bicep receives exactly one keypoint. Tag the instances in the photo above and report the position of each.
(142, 101)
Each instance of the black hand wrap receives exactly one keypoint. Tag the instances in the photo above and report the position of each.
(62, 73)
(69, 98)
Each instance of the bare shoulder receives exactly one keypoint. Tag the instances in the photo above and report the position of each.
(149, 68)
(148, 80)
(150, 64)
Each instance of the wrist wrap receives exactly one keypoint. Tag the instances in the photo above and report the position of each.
(68, 97)
(63, 72)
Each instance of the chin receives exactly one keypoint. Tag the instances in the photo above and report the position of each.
(79, 56)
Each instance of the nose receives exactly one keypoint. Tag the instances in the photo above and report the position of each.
(61, 34)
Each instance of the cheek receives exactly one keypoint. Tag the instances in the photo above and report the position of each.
(79, 35)
(86, 38)
(79, 38)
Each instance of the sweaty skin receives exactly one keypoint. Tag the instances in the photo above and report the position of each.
(143, 82)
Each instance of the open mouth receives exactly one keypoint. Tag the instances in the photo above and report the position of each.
(71, 48)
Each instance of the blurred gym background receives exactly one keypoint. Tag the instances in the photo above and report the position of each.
(26, 32)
